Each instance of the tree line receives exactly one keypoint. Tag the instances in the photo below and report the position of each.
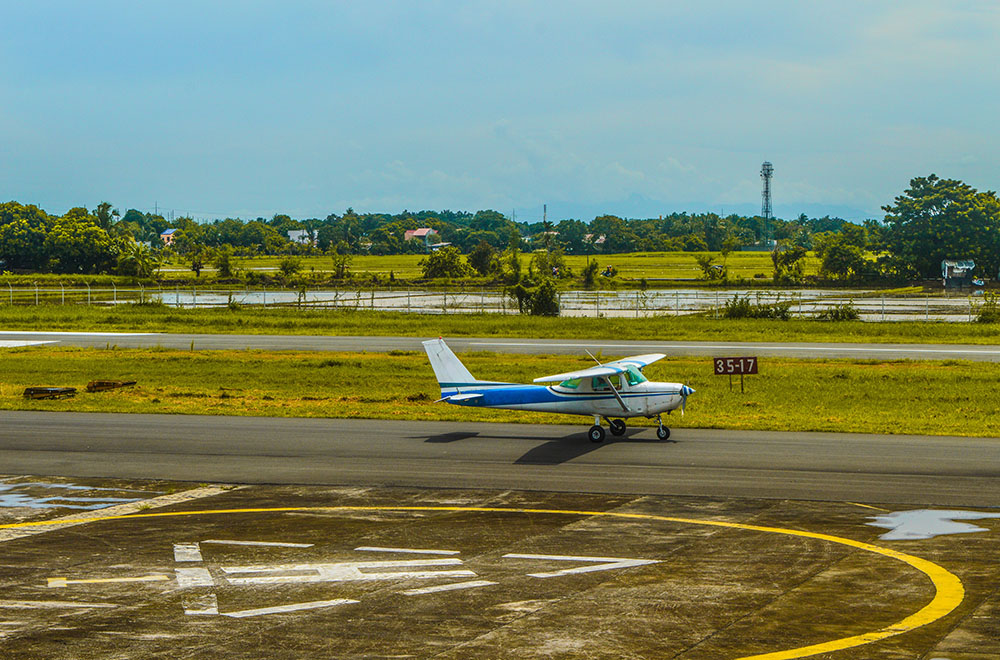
(933, 219)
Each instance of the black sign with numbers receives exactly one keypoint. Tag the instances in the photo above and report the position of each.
(730, 366)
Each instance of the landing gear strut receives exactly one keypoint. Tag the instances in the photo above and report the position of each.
(596, 432)
(662, 432)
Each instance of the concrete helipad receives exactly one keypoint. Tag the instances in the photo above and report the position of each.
(154, 569)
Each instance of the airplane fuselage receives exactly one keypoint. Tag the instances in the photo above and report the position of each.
(646, 399)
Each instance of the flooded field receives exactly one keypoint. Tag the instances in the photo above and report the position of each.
(871, 305)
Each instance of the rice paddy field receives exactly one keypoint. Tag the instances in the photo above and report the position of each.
(631, 266)
(943, 397)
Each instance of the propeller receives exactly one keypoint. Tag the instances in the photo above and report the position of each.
(685, 393)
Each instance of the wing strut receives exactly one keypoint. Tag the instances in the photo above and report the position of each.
(618, 396)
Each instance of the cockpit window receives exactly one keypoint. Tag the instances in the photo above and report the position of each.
(599, 384)
(634, 376)
(571, 384)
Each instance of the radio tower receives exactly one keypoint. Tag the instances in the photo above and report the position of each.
(766, 172)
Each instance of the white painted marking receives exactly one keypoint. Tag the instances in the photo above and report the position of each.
(922, 524)
(118, 510)
(275, 544)
(771, 347)
(46, 604)
(64, 333)
(195, 576)
(471, 584)
(201, 605)
(291, 608)
(416, 551)
(344, 571)
(15, 343)
(58, 582)
(605, 564)
(187, 552)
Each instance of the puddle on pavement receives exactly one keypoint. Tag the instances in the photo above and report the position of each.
(923, 524)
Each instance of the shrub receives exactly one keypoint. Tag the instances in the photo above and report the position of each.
(542, 300)
(845, 312)
(742, 308)
(989, 311)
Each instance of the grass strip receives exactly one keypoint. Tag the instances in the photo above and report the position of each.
(925, 397)
(145, 318)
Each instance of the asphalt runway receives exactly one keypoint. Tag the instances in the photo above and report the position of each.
(984, 353)
(938, 471)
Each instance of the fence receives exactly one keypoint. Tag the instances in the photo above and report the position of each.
(871, 305)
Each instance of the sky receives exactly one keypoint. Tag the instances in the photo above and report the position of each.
(251, 108)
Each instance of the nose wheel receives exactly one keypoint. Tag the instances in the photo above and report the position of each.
(596, 433)
(662, 432)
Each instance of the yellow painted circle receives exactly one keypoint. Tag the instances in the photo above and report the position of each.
(948, 595)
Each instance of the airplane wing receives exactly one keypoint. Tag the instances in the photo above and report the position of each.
(638, 361)
(609, 369)
(605, 370)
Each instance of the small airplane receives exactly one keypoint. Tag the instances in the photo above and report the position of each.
(613, 390)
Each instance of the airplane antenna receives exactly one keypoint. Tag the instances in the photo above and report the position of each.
(599, 363)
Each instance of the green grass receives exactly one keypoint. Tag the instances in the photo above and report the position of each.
(953, 398)
(138, 318)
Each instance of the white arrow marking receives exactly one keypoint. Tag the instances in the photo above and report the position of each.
(345, 571)
(471, 584)
(605, 564)
(415, 551)
(56, 604)
(62, 582)
(275, 544)
(290, 608)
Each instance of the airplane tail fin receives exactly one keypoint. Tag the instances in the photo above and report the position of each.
(448, 369)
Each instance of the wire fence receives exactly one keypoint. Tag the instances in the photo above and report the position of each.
(870, 305)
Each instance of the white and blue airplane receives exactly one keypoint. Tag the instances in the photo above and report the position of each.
(614, 391)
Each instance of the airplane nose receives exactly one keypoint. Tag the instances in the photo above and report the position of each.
(685, 390)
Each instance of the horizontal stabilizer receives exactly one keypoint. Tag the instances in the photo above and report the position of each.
(460, 397)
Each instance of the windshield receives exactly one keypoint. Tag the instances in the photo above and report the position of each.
(572, 384)
(634, 376)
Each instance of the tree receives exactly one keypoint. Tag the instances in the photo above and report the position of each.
(711, 270)
(223, 261)
(483, 258)
(341, 261)
(105, 215)
(75, 244)
(446, 262)
(787, 259)
(22, 236)
(289, 266)
(937, 219)
(134, 259)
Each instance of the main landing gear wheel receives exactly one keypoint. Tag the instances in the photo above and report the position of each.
(663, 433)
(617, 426)
(596, 433)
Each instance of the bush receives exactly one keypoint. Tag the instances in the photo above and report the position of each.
(742, 308)
(845, 312)
(289, 266)
(446, 262)
(542, 300)
(989, 311)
